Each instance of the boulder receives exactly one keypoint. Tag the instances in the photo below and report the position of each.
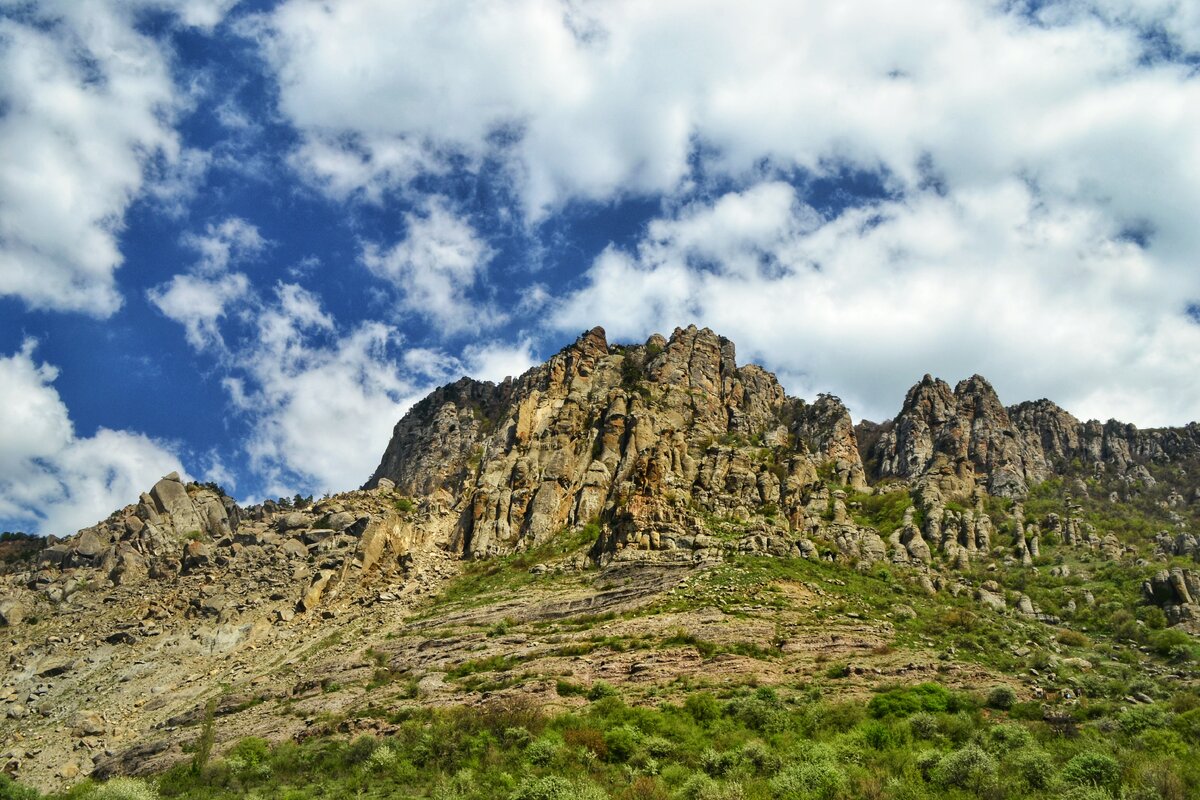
(171, 498)
(12, 612)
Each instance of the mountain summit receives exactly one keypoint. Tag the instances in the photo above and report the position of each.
(712, 526)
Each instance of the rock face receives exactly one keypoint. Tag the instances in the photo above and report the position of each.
(653, 458)
(650, 439)
(1177, 591)
(965, 438)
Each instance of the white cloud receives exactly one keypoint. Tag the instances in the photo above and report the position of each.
(323, 402)
(200, 299)
(199, 303)
(601, 100)
(495, 361)
(1042, 300)
(88, 104)
(232, 240)
(51, 480)
(434, 267)
(1055, 137)
(322, 405)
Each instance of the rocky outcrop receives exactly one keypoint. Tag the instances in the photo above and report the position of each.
(1177, 592)
(650, 439)
(963, 438)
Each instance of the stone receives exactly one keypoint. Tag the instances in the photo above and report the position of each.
(992, 599)
(293, 521)
(294, 548)
(196, 556)
(87, 723)
(52, 667)
(12, 612)
(171, 498)
(88, 544)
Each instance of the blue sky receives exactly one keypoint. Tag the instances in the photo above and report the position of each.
(238, 239)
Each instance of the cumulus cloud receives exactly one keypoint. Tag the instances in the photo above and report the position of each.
(321, 400)
(1040, 161)
(594, 101)
(88, 104)
(200, 299)
(53, 481)
(1045, 301)
(434, 267)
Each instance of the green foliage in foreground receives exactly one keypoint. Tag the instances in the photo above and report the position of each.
(908, 742)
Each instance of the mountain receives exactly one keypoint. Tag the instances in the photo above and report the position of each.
(639, 516)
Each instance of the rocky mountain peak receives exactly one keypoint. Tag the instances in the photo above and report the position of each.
(635, 463)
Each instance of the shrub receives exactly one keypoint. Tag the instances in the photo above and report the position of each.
(1188, 725)
(815, 780)
(658, 747)
(1093, 769)
(11, 790)
(1002, 698)
(967, 768)
(621, 742)
(1034, 767)
(645, 787)
(1085, 793)
(878, 736)
(553, 787)
(926, 762)
(124, 789)
(716, 764)
(587, 739)
(760, 757)
(908, 701)
(1139, 718)
(923, 725)
(601, 690)
(382, 759)
(702, 787)
(542, 751)
(1009, 737)
(702, 706)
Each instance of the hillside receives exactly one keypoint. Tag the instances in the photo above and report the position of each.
(610, 536)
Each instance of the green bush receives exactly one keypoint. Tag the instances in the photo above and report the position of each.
(1094, 769)
(760, 714)
(601, 690)
(541, 752)
(553, 787)
(878, 736)
(967, 768)
(702, 706)
(1034, 767)
(124, 789)
(1085, 793)
(760, 757)
(621, 742)
(908, 701)
(1002, 698)
(1139, 718)
(1009, 737)
(812, 780)
(923, 725)
(1188, 725)
(716, 763)
(10, 790)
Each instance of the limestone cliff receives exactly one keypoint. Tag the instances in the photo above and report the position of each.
(650, 439)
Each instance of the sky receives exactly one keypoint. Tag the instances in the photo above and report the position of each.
(239, 239)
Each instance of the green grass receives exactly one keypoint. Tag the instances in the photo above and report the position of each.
(481, 582)
(921, 741)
